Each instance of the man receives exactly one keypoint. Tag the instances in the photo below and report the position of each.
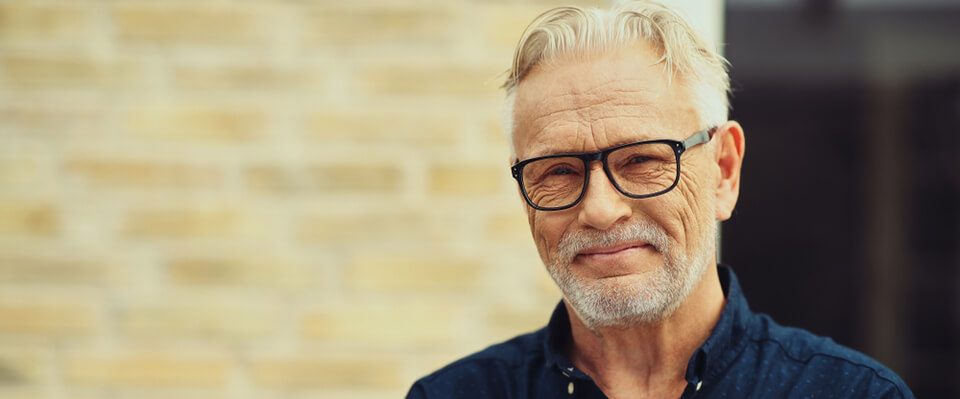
(625, 161)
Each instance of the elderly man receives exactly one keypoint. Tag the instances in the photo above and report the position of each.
(625, 161)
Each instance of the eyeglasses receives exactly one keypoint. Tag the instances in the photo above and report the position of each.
(638, 170)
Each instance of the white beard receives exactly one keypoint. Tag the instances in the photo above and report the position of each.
(601, 303)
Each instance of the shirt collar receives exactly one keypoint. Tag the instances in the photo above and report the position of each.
(557, 339)
(728, 336)
(724, 343)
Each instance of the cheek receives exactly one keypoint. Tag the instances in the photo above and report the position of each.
(690, 203)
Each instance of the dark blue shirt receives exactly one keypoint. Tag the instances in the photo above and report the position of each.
(747, 355)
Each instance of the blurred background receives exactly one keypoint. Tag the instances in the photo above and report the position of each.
(291, 199)
(849, 220)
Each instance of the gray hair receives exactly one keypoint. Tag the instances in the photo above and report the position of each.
(578, 32)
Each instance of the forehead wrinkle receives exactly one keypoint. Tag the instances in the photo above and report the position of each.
(634, 86)
(595, 111)
(642, 130)
(585, 110)
(612, 90)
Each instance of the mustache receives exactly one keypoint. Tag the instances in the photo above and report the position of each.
(574, 242)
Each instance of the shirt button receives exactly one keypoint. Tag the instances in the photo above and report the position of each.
(570, 388)
(699, 383)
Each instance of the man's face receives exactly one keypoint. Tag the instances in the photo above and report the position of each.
(618, 260)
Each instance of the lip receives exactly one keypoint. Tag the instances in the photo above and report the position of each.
(612, 250)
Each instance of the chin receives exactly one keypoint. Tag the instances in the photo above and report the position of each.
(633, 299)
(623, 301)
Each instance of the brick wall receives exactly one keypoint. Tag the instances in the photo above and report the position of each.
(256, 199)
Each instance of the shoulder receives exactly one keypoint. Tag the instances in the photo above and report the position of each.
(492, 372)
(820, 361)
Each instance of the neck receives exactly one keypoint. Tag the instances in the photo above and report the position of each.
(649, 360)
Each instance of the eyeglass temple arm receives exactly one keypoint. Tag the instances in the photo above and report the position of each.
(700, 137)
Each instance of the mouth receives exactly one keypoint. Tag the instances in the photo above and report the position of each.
(612, 251)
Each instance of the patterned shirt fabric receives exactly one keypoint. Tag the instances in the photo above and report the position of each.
(747, 355)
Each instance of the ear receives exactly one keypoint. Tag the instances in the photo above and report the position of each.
(729, 158)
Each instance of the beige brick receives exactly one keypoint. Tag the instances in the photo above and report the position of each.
(467, 179)
(408, 26)
(412, 274)
(310, 372)
(243, 77)
(196, 122)
(19, 171)
(546, 287)
(458, 81)
(129, 172)
(29, 392)
(509, 322)
(20, 366)
(33, 268)
(247, 270)
(504, 23)
(28, 218)
(47, 319)
(145, 370)
(511, 226)
(46, 72)
(182, 223)
(364, 178)
(51, 120)
(354, 228)
(197, 321)
(53, 21)
(385, 324)
(190, 23)
(173, 392)
(383, 127)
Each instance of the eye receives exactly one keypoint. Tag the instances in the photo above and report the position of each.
(562, 170)
(640, 159)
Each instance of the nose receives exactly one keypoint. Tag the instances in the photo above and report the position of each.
(602, 205)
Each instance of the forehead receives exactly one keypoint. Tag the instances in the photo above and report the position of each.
(587, 104)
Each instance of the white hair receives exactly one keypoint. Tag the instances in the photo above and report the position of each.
(574, 31)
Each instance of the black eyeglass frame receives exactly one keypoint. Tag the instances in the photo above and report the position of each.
(679, 147)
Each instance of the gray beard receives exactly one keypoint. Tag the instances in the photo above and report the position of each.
(601, 303)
